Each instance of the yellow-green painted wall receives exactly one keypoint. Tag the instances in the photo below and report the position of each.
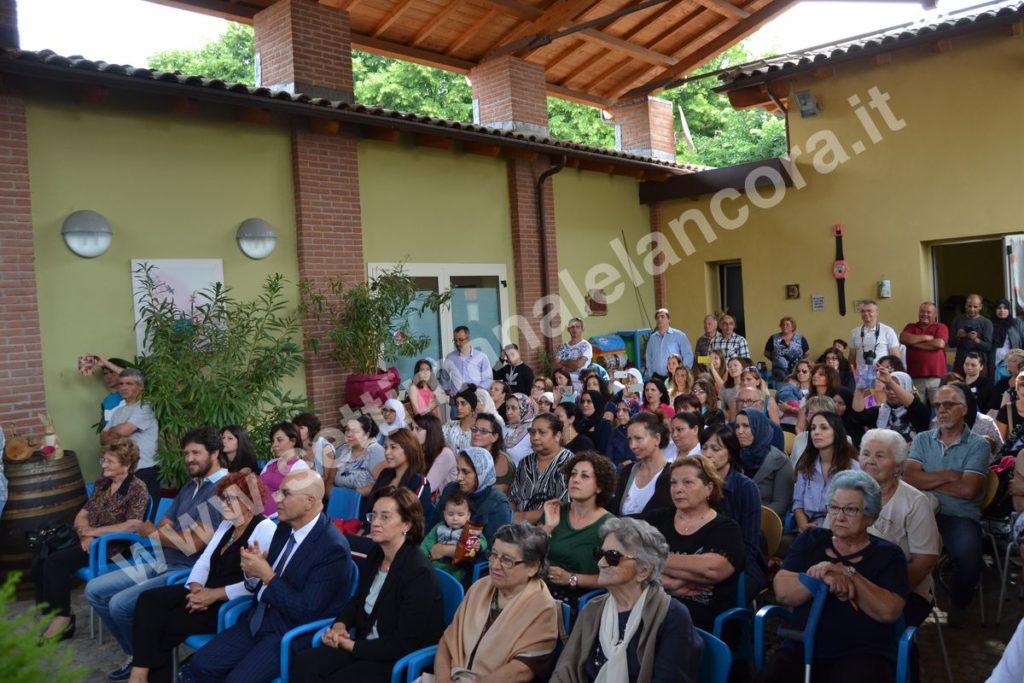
(592, 211)
(173, 188)
(951, 171)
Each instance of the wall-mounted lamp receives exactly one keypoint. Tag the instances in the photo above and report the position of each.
(87, 233)
(256, 238)
(807, 104)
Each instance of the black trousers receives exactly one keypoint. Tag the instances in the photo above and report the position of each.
(786, 665)
(53, 577)
(161, 624)
(333, 665)
(150, 476)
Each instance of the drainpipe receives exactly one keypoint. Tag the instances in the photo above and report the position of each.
(542, 229)
(778, 103)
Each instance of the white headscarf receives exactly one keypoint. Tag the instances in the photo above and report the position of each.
(399, 423)
(889, 417)
(485, 404)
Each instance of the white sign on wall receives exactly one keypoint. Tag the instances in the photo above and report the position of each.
(177, 279)
(817, 302)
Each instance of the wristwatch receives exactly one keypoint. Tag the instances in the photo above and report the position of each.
(839, 267)
(849, 571)
(573, 581)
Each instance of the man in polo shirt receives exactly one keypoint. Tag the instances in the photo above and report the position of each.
(663, 342)
(135, 420)
(950, 463)
(926, 350)
(179, 539)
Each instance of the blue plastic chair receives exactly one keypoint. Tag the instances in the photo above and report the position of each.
(819, 592)
(161, 509)
(715, 661)
(344, 503)
(587, 597)
(100, 565)
(479, 569)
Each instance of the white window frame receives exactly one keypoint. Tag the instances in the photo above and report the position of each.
(444, 272)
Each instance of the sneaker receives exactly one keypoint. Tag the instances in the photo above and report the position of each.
(122, 674)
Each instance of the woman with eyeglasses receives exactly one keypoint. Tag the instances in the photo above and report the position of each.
(118, 503)
(867, 582)
(397, 606)
(573, 526)
(438, 459)
(393, 414)
(837, 361)
(750, 378)
(706, 395)
(487, 434)
(507, 626)
(791, 395)
(166, 616)
(706, 548)
(361, 458)
(488, 505)
(636, 633)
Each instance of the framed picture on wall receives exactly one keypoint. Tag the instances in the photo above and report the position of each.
(177, 279)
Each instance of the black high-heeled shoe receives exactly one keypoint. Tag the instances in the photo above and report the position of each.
(69, 631)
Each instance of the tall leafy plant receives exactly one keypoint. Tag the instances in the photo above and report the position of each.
(221, 361)
(27, 658)
(370, 322)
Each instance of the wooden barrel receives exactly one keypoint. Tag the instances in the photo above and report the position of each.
(40, 490)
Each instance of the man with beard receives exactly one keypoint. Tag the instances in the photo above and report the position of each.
(179, 538)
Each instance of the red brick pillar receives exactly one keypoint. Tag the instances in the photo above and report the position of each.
(21, 359)
(660, 287)
(537, 317)
(9, 23)
(304, 47)
(510, 93)
(646, 128)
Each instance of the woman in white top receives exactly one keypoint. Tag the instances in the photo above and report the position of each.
(457, 433)
(362, 457)
(644, 484)
(318, 451)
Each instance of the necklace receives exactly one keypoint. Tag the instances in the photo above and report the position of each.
(690, 528)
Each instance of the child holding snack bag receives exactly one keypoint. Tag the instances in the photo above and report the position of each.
(454, 543)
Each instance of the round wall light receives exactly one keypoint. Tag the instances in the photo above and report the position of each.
(87, 233)
(256, 238)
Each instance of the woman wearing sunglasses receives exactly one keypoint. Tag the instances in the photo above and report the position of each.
(635, 633)
(507, 625)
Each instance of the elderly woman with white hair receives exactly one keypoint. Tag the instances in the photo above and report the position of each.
(636, 632)
(867, 580)
(907, 518)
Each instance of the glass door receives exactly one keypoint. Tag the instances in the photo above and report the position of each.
(475, 304)
(427, 323)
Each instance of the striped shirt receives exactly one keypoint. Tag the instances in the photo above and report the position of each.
(531, 487)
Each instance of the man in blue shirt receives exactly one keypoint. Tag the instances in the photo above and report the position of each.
(179, 540)
(664, 341)
(950, 463)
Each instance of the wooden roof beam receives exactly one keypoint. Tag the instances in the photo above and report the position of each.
(429, 27)
(409, 53)
(723, 40)
(468, 34)
(725, 8)
(391, 18)
(556, 16)
(224, 9)
(620, 45)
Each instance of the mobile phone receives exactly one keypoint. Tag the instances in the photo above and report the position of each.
(704, 360)
(635, 388)
(866, 375)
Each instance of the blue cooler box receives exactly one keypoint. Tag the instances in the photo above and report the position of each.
(609, 352)
(636, 346)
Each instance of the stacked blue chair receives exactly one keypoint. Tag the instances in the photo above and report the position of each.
(344, 503)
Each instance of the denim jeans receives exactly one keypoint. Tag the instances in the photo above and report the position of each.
(113, 596)
(962, 539)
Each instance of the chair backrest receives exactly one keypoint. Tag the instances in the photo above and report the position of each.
(819, 591)
(149, 509)
(355, 581)
(452, 593)
(344, 503)
(715, 661)
(162, 507)
(789, 439)
(771, 526)
(991, 488)
(587, 597)
(233, 613)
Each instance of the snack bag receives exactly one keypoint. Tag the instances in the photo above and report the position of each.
(86, 365)
(469, 543)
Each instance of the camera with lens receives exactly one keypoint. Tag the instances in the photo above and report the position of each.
(869, 357)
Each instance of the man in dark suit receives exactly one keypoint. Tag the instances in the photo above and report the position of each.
(306, 576)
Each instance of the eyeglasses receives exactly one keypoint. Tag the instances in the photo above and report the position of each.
(504, 561)
(284, 493)
(612, 557)
(848, 510)
(230, 499)
(747, 401)
(384, 517)
(946, 405)
(480, 430)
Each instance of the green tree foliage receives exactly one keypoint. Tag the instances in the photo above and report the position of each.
(27, 658)
(218, 362)
(230, 58)
(722, 135)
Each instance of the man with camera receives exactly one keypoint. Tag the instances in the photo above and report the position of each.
(870, 341)
(970, 332)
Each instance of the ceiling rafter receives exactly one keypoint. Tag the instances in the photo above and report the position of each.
(467, 35)
(725, 8)
(555, 16)
(391, 18)
(429, 27)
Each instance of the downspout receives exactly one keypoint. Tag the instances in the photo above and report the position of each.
(542, 230)
(778, 103)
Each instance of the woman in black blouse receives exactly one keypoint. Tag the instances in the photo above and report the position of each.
(165, 616)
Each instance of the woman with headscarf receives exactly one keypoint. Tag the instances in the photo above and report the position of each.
(843, 399)
(457, 433)
(1007, 333)
(520, 411)
(901, 411)
(485, 404)
(592, 423)
(488, 506)
(393, 414)
(769, 467)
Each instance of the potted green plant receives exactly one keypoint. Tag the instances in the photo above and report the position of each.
(367, 328)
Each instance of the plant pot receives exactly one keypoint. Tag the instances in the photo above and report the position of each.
(363, 390)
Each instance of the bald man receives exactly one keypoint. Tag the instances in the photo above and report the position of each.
(305, 575)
